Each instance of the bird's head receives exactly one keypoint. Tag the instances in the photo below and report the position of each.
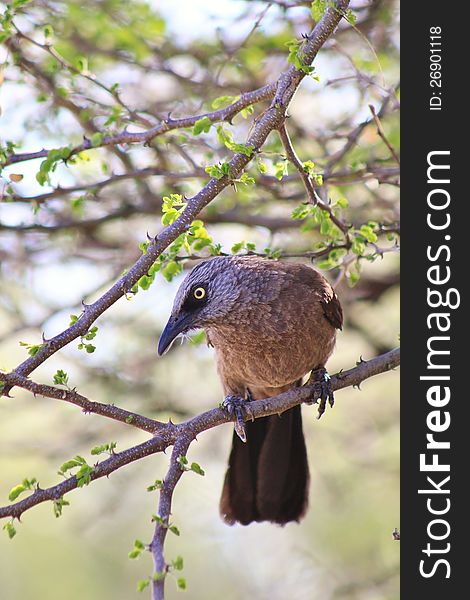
(205, 297)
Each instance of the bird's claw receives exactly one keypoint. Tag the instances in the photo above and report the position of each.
(323, 390)
(238, 407)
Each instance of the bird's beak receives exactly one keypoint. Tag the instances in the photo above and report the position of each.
(173, 328)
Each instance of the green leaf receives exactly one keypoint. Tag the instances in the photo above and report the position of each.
(368, 233)
(171, 269)
(96, 139)
(15, 492)
(61, 377)
(183, 461)
(82, 64)
(246, 179)
(69, 464)
(10, 529)
(202, 126)
(247, 111)
(350, 17)
(84, 475)
(218, 171)
(281, 169)
(177, 564)
(181, 582)
(358, 246)
(142, 584)
(108, 448)
(58, 505)
(155, 486)
(174, 530)
(197, 338)
(222, 101)
(317, 9)
(197, 469)
(26, 484)
(226, 137)
(237, 247)
(262, 168)
(33, 349)
(301, 211)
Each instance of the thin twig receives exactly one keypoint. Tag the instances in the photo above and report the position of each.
(311, 193)
(381, 133)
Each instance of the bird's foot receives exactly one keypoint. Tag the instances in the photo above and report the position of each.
(323, 390)
(238, 407)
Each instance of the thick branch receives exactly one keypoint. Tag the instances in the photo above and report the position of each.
(170, 433)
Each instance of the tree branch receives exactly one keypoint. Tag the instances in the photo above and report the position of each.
(144, 137)
(87, 406)
(308, 183)
(169, 433)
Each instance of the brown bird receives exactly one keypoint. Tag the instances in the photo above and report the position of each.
(270, 323)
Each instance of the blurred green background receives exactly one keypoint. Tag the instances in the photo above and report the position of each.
(179, 56)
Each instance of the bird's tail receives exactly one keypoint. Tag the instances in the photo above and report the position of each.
(267, 477)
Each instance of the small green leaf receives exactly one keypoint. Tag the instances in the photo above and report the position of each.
(48, 31)
(222, 101)
(202, 126)
(96, 139)
(237, 247)
(155, 486)
(61, 377)
(181, 582)
(281, 169)
(15, 492)
(58, 506)
(142, 584)
(10, 529)
(183, 461)
(33, 349)
(317, 10)
(82, 64)
(197, 469)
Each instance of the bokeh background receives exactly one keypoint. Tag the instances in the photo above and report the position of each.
(178, 56)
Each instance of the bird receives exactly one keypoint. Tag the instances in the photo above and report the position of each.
(271, 323)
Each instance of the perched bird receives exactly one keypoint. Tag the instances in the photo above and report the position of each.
(271, 323)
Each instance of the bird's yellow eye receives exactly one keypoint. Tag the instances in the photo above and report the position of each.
(199, 293)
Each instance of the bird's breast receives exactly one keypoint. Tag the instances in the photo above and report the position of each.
(269, 351)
